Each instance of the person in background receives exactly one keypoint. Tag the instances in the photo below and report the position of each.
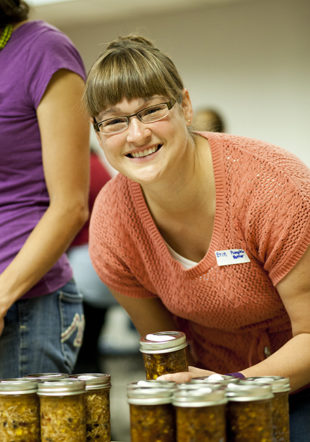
(202, 232)
(209, 120)
(44, 173)
(96, 296)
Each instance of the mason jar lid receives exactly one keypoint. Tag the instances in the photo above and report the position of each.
(64, 387)
(199, 397)
(215, 379)
(17, 386)
(149, 396)
(42, 376)
(94, 381)
(241, 392)
(163, 342)
(278, 384)
(152, 383)
(196, 385)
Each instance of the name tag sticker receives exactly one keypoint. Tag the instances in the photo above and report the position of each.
(231, 256)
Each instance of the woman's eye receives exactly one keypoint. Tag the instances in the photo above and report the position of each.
(114, 122)
(152, 110)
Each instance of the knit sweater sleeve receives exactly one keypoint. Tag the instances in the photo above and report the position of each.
(278, 211)
(112, 246)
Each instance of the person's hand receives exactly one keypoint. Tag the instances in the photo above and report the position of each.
(185, 376)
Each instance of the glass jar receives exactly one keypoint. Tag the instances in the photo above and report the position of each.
(62, 410)
(97, 404)
(280, 387)
(200, 414)
(249, 413)
(164, 352)
(19, 411)
(152, 416)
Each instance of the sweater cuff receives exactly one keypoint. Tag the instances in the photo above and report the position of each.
(236, 375)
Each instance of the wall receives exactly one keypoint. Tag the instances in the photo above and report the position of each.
(249, 59)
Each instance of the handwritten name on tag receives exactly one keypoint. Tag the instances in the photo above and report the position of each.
(231, 256)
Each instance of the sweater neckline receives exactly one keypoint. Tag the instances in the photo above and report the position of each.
(215, 141)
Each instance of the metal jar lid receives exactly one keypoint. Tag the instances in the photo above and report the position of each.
(149, 396)
(17, 386)
(199, 397)
(240, 392)
(64, 387)
(215, 379)
(278, 384)
(163, 342)
(197, 385)
(94, 381)
(45, 376)
(152, 383)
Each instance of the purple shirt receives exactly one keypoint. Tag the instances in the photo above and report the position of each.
(34, 53)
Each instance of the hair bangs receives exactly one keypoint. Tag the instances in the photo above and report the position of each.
(127, 74)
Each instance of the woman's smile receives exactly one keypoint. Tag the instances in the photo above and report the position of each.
(145, 152)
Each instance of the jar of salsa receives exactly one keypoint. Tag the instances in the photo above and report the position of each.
(97, 406)
(19, 411)
(164, 352)
(249, 412)
(200, 414)
(280, 387)
(152, 416)
(62, 410)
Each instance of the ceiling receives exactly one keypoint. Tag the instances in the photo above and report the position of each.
(76, 12)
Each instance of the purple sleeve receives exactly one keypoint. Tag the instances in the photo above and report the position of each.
(51, 52)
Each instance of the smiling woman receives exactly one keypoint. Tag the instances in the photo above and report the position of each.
(206, 233)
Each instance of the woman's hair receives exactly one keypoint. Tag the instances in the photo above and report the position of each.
(13, 11)
(131, 67)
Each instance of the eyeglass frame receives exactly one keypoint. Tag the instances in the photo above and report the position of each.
(97, 125)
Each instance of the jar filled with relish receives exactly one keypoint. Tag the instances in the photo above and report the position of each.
(280, 387)
(200, 413)
(97, 406)
(62, 410)
(164, 352)
(249, 412)
(152, 416)
(19, 411)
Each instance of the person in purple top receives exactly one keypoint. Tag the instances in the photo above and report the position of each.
(44, 167)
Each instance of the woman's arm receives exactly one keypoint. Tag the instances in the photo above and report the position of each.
(64, 129)
(149, 315)
(292, 359)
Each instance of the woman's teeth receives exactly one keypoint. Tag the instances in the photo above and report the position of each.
(144, 153)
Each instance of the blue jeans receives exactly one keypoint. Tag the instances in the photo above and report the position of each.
(300, 416)
(42, 335)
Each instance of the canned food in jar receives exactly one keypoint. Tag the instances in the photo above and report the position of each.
(249, 413)
(280, 387)
(97, 406)
(19, 411)
(200, 414)
(164, 352)
(62, 410)
(152, 416)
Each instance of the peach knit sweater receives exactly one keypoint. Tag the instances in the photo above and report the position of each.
(231, 314)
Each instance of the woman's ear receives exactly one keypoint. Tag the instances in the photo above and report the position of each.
(187, 107)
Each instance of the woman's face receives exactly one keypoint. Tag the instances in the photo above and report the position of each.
(145, 152)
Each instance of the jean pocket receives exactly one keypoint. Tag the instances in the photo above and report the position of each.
(72, 322)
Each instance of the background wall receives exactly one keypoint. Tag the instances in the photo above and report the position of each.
(249, 59)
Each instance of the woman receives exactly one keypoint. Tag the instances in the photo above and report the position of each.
(203, 232)
(44, 132)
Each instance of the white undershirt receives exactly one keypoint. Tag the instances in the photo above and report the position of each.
(186, 263)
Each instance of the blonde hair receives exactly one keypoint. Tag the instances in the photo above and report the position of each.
(131, 67)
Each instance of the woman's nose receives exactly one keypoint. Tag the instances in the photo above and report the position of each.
(137, 131)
